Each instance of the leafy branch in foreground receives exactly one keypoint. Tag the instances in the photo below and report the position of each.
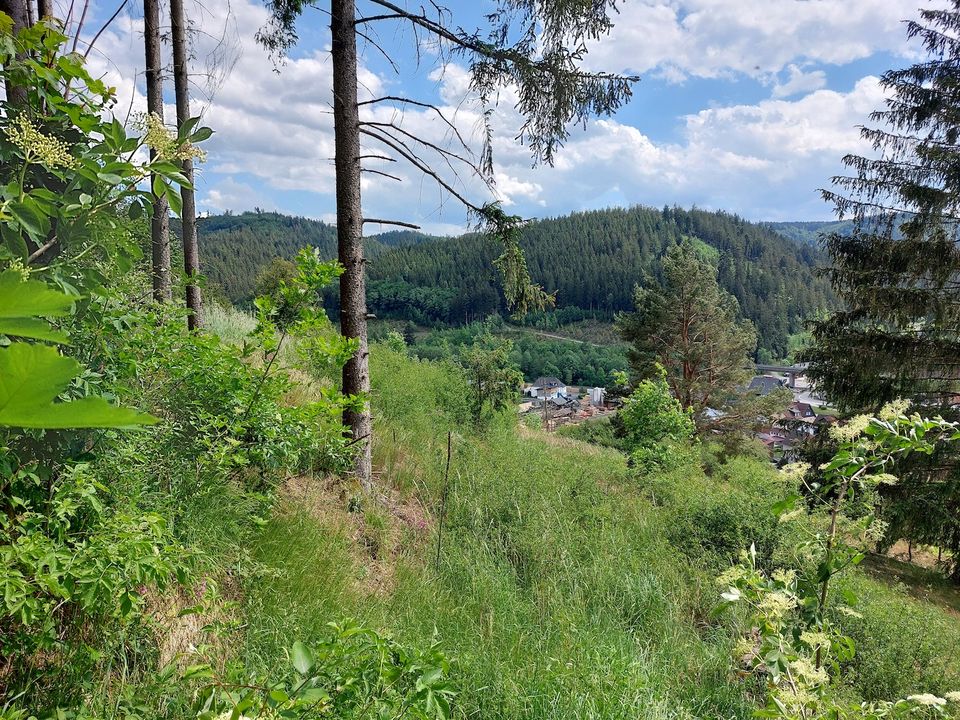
(793, 642)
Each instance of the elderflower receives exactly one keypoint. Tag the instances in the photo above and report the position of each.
(164, 143)
(777, 604)
(730, 576)
(953, 696)
(794, 472)
(808, 673)
(16, 265)
(927, 699)
(785, 577)
(893, 410)
(851, 430)
(37, 147)
(815, 639)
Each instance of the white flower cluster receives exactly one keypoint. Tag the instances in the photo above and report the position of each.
(158, 137)
(37, 147)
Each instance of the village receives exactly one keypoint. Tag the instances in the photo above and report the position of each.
(554, 404)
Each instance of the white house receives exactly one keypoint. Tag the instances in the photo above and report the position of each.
(547, 387)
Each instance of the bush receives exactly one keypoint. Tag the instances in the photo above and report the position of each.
(712, 520)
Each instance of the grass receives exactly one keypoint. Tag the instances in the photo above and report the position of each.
(562, 590)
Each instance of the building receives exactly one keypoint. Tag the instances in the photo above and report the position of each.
(766, 384)
(547, 387)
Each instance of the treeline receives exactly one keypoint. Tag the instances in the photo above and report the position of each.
(234, 248)
(593, 260)
(573, 362)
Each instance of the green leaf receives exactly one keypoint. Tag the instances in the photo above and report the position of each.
(21, 298)
(302, 658)
(31, 328)
(31, 378)
(201, 134)
(174, 200)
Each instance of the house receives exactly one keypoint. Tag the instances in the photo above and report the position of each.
(801, 411)
(547, 387)
(766, 384)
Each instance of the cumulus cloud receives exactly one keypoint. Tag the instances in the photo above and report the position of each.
(720, 38)
(764, 160)
(799, 82)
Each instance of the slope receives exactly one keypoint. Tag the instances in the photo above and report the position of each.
(593, 260)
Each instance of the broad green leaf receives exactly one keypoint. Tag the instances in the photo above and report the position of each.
(21, 298)
(31, 328)
(302, 658)
(31, 378)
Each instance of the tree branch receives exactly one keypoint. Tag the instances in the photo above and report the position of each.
(380, 221)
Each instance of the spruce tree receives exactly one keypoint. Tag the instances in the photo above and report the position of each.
(898, 273)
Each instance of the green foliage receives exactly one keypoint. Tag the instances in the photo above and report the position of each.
(691, 328)
(350, 672)
(573, 362)
(593, 260)
(657, 431)
(493, 381)
(800, 645)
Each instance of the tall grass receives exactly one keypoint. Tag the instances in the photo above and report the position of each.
(565, 586)
(555, 591)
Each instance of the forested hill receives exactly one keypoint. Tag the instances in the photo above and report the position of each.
(810, 232)
(233, 248)
(593, 260)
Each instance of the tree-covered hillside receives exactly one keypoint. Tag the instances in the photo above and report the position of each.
(234, 248)
(593, 260)
(810, 232)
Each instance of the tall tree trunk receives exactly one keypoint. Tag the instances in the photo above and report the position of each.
(353, 296)
(19, 12)
(191, 253)
(160, 221)
(44, 9)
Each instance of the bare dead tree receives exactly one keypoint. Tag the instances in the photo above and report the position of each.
(554, 91)
(160, 220)
(188, 215)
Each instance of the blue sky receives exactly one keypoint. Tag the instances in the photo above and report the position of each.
(744, 105)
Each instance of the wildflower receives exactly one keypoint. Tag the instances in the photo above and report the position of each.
(851, 430)
(164, 143)
(16, 265)
(785, 577)
(37, 147)
(884, 479)
(815, 639)
(954, 696)
(893, 410)
(777, 604)
(807, 673)
(794, 472)
(848, 611)
(927, 699)
(730, 575)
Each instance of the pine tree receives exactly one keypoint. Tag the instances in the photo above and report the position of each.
(188, 213)
(160, 218)
(691, 328)
(898, 273)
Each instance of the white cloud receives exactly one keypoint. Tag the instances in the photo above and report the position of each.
(228, 194)
(762, 160)
(799, 82)
(718, 38)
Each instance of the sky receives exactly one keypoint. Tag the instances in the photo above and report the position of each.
(746, 106)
